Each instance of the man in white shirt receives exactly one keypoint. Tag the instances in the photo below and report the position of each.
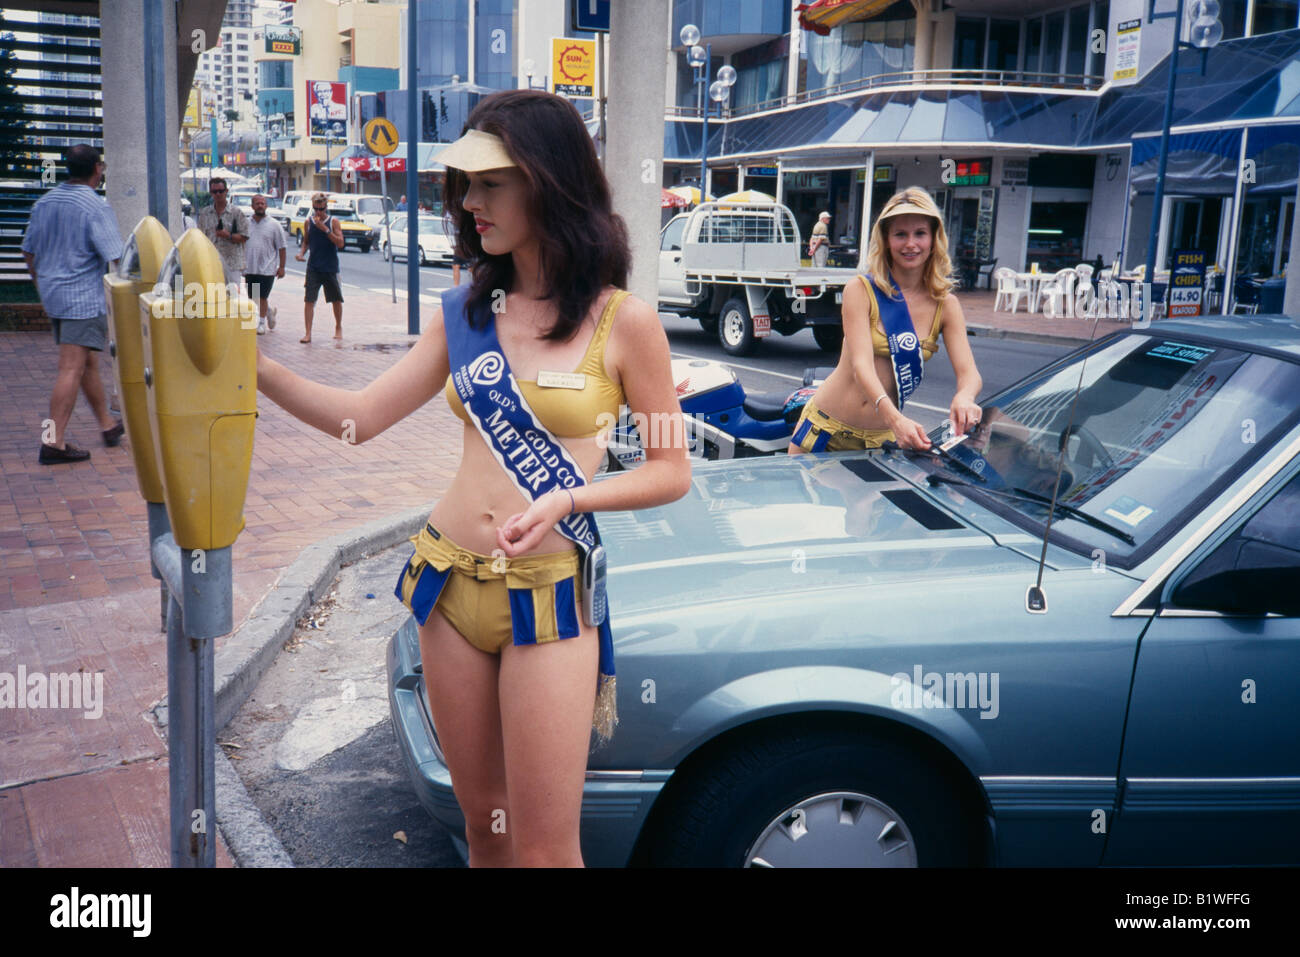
(262, 268)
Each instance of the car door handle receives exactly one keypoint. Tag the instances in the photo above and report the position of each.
(677, 259)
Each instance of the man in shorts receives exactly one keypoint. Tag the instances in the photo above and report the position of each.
(71, 236)
(263, 261)
(322, 238)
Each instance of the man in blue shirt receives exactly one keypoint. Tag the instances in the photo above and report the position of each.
(71, 236)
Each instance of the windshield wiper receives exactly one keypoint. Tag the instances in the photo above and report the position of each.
(930, 453)
(1024, 493)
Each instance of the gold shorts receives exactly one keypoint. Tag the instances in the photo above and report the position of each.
(492, 601)
(818, 432)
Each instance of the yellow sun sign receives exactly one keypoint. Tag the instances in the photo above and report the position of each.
(573, 67)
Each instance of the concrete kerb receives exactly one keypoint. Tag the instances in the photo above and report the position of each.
(1047, 338)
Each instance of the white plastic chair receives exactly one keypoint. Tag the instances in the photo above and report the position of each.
(1059, 291)
(1010, 289)
(1085, 297)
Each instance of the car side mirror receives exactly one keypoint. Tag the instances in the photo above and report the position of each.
(1247, 577)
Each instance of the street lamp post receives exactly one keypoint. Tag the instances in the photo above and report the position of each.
(700, 57)
(1206, 31)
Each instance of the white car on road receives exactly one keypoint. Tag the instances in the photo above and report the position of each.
(434, 246)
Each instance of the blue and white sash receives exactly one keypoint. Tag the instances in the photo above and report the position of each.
(530, 455)
(900, 333)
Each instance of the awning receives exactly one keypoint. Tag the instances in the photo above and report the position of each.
(822, 16)
(1200, 164)
(359, 158)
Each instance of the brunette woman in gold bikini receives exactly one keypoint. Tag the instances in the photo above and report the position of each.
(532, 208)
(857, 406)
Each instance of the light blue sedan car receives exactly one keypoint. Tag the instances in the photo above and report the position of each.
(889, 658)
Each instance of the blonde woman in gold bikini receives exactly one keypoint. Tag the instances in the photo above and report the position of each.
(857, 407)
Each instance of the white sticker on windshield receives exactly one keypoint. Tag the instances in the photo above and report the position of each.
(1129, 511)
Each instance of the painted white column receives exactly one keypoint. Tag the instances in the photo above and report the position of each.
(924, 31)
(634, 153)
(1238, 196)
(864, 232)
(122, 50)
(1291, 298)
(796, 40)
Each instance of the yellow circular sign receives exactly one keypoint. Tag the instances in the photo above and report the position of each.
(381, 136)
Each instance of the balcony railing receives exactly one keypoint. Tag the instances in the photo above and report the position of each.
(917, 78)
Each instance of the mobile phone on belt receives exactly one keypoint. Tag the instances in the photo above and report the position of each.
(594, 604)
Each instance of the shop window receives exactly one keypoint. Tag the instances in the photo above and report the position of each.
(1194, 224)
(1004, 45)
(1273, 15)
(968, 53)
(1233, 15)
(1076, 50)
(1034, 45)
(1257, 242)
(1056, 235)
(1055, 34)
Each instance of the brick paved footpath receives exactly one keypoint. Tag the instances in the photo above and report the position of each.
(75, 589)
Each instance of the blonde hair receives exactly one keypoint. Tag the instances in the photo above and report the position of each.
(938, 268)
(319, 197)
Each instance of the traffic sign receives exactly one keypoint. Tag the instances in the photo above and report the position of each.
(591, 16)
(381, 136)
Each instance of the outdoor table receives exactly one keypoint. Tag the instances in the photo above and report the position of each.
(1033, 280)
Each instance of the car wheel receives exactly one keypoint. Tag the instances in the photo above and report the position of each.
(829, 338)
(387, 251)
(735, 328)
(816, 797)
(365, 247)
(423, 261)
(709, 324)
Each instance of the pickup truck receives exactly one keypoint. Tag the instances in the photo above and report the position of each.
(736, 268)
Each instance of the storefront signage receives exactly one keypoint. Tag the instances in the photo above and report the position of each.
(284, 40)
(1187, 283)
(1128, 41)
(976, 172)
(885, 173)
(760, 170)
(573, 67)
(327, 108)
(1015, 172)
(807, 180)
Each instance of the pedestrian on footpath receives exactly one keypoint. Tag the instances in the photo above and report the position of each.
(401, 207)
(227, 227)
(819, 245)
(264, 261)
(320, 245)
(71, 236)
(516, 647)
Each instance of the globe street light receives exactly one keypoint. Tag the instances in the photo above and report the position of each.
(699, 58)
(1205, 31)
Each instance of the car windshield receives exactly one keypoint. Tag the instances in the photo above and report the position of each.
(1159, 423)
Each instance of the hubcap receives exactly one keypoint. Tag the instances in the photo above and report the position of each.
(835, 829)
(733, 325)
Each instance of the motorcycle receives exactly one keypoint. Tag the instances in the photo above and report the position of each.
(721, 421)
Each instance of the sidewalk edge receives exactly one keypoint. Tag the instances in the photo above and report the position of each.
(250, 840)
(1046, 338)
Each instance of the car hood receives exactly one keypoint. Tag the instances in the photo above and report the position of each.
(764, 528)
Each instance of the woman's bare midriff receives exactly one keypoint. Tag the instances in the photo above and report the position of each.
(482, 497)
(841, 395)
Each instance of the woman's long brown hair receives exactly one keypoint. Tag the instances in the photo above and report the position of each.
(583, 242)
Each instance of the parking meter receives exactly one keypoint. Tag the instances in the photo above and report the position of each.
(136, 274)
(200, 378)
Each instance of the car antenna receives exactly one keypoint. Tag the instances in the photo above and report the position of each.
(1035, 597)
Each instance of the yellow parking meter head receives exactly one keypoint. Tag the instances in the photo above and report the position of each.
(147, 246)
(201, 345)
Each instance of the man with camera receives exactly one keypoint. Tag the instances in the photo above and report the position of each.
(227, 227)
